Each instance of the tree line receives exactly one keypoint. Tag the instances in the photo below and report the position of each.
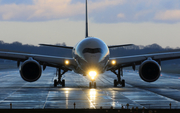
(54, 51)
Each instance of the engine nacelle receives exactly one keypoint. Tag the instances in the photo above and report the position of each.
(30, 70)
(149, 70)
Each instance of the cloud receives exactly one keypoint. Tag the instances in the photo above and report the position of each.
(16, 1)
(104, 3)
(169, 15)
(100, 11)
(140, 14)
(50, 9)
(121, 15)
(41, 9)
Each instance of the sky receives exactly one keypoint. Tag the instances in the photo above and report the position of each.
(139, 22)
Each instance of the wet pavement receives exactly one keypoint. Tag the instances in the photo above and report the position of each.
(42, 95)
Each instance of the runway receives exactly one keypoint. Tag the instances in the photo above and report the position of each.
(42, 95)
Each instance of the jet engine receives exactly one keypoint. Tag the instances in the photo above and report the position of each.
(30, 70)
(149, 70)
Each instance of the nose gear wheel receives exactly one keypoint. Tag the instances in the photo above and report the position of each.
(92, 84)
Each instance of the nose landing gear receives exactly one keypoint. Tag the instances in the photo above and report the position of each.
(92, 84)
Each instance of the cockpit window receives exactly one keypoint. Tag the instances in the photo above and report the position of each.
(90, 50)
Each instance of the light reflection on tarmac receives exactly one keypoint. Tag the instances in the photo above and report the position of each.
(42, 95)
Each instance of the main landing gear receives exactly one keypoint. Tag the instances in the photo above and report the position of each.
(92, 84)
(59, 81)
(119, 81)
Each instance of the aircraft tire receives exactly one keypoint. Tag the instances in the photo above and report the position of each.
(55, 83)
(94, 84)
(115, 83)
(123, 83)
(90, 85)
(63, 83)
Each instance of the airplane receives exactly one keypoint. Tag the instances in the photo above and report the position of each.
(90, 57)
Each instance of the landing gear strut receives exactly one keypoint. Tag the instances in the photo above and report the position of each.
(119, 81)
(92, 84)
(59, 81)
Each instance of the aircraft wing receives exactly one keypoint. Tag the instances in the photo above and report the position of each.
(133, 60)
(52, 61)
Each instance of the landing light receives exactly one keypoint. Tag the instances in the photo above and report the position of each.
(66, 62)
(113, 62)
(92, 74)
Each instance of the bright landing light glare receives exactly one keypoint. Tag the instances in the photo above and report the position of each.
(113, 62)
(67, 62)
(92, 74)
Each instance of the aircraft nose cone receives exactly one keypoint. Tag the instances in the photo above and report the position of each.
(92, 62)
(92, 58)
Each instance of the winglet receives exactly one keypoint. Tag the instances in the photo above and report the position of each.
(86, 19)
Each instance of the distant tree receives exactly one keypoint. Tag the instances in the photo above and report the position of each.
(54, 51)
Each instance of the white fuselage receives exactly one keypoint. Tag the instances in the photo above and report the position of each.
(91, 54)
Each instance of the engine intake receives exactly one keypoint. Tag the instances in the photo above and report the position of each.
(30, 70)
(149, 70)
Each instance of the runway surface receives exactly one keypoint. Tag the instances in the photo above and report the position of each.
(42, 95)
